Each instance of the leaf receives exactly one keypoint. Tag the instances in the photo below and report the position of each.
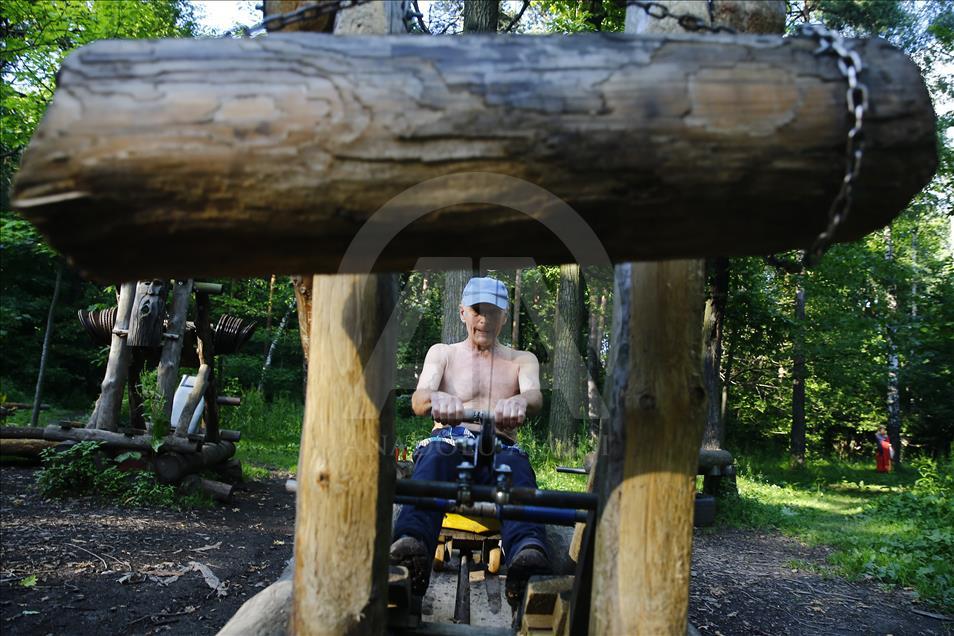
(28, 581)
(210, 578)
(127, 455)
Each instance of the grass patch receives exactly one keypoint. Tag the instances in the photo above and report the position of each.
(897, 528)
(271, 433)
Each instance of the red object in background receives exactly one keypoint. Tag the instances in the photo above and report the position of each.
(884, 456)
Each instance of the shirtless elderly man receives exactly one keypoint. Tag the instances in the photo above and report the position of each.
(457, 377)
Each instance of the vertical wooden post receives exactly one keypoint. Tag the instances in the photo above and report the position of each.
(650, 446)
(206, 338)
(168, 373)
(345, 471)
(106, 414)
(649, 450)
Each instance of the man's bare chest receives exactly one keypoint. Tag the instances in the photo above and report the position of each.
(471, 378)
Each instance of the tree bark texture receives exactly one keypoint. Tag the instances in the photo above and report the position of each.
(106, 412)
(713, 326)
(45, 351)
(481, 16)
(799, 373)
(169, 359)
(452, 329)
(566, 401)
(148, 313)
(285, 146)
(649, 450)
(346, 473)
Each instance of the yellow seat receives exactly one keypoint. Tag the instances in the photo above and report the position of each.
(477, 525)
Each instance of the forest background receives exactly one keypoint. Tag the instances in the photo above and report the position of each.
(803, 367)
(867, 333)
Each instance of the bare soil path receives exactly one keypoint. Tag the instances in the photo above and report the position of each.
(102, 569)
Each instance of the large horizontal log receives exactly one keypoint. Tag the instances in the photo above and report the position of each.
(667, 146)
(24, 447)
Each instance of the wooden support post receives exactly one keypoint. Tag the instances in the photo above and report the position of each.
(145, 319)
(168, 373)
(345, 469)
(203, 331)
(346, 474)
(106, 413)
(648, 452)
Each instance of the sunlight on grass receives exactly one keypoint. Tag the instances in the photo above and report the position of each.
(899, 529)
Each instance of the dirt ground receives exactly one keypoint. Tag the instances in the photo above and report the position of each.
(145, 571)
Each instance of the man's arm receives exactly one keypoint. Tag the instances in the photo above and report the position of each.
(427, 399)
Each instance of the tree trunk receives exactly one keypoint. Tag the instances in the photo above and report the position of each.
(713, 325)
(271, 348)
(891, 330)
(566, 402)
(515, 310)
(168, 373)
(594, 400)
(798, 379)
(106, 413)
(268, 315)
(481, 16)
(45, 351)
(563, 115)
(452, 328)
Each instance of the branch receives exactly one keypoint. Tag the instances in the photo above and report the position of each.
(513, 23)
(785, 265)
(420, 18)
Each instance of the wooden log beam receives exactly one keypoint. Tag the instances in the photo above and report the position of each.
(118, 440)
(217, 490)
(669, 146)
(172, 467)
(206, 350)
(24, 447)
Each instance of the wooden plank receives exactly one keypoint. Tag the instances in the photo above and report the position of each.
(670, 146)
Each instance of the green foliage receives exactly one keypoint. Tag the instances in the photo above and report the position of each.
(574, 16)
(83, 469)
(897, 528)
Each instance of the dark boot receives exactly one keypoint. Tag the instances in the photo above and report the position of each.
(412, 554)
(530, 561)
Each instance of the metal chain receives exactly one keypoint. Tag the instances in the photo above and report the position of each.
(687, 21)
(307, 12)
(856, 99)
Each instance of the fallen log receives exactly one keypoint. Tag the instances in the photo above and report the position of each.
(218, 490)
(24, 447)
(21, 432)
(301, 138)
(119, 440)
(172, 467)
